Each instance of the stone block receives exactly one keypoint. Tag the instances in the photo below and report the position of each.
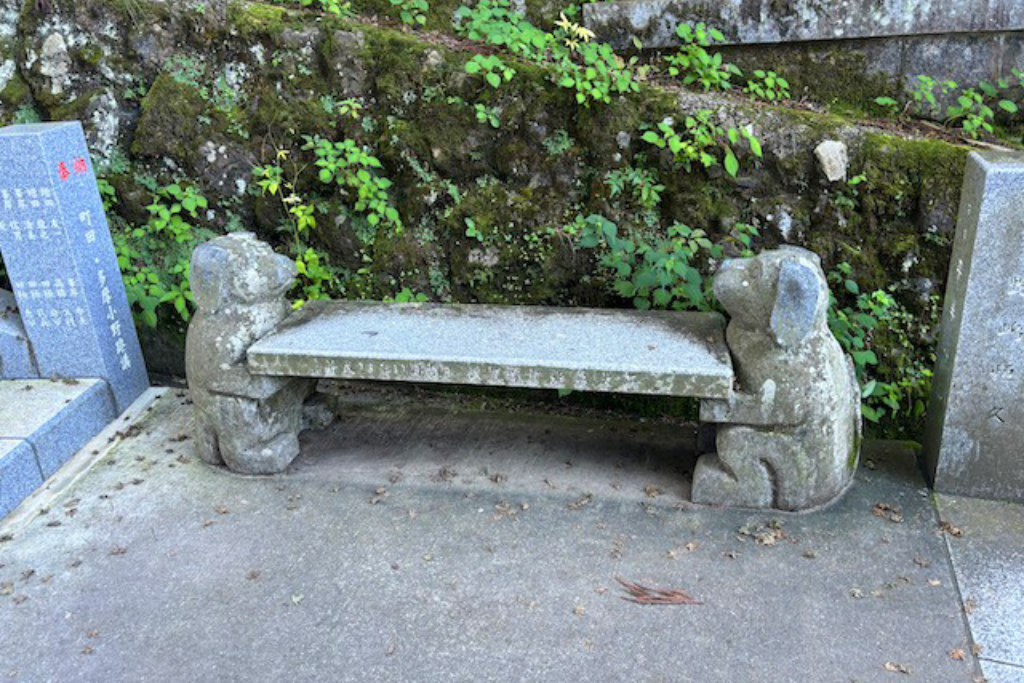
(638, 352)
(19, 473)
(976, 416)
(768, 21)
(56, 417)
(16, 360)
(59, 255)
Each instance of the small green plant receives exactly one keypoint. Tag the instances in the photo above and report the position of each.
(26, 113)
(972, 113)
(595, 72)
(406, 296)
(348, 108)
(637, 183)
(356, 172)
(154, 257)
(768, 85)
(187, 71)
(498, 23)
(702, 141)
(895, 386)
(472, 231)
(662, 273)
(592, 70)
(695, 65)
(339, 8)
(412, 12)
(558, 143)
(922, 98)
(488, 115)
(494, 70)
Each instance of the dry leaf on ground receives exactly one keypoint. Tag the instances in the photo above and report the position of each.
(645, 595)
(896, 668)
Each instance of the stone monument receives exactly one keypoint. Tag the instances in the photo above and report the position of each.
(59, 256)
(973, 441)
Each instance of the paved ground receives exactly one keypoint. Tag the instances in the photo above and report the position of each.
(423, 541)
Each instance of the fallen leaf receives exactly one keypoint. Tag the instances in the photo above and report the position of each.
(951, 530)
(579, 610)
(652, 491)
(690, 547)
(92, 634)
(6, 588)
(221, 510)
(297, 598)
(934, 582)
(856, 593)
(253, 575)
(645, 595)
(976, 649)
(922, 562)
(88, 650)
(583, 501)
(810, 554)
(957, 654)
(889, 512)
(969, 605)
(896, 668)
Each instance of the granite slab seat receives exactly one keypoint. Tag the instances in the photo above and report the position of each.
(774, 381)
(620, 351)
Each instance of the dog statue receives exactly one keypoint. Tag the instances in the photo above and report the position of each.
(250, 423)
(789, 437)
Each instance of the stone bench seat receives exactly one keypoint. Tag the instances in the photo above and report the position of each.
(621, 351)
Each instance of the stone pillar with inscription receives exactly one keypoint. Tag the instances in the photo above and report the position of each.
(974, 441)
(58, 253)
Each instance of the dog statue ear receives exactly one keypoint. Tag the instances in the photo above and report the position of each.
(798, 297)
(208, 275)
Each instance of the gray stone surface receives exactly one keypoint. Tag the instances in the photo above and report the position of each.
(789, 437)
(250, 423)
(988, 558)
(55, 417)
(58, 253)
(649, 352)
(16, 360)
(768, 21)
(976, 417)
(833, 159)
(19, 473)
(172, 571)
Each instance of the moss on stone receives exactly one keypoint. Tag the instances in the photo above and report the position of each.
(171, 124)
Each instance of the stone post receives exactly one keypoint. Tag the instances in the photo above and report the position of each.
(974, 441)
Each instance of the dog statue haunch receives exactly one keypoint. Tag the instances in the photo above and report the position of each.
(250, 423)
(789, 437)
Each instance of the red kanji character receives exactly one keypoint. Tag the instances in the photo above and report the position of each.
(62, 171)
(80, 166)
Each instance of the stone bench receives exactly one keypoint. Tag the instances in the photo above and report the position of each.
(781, 392)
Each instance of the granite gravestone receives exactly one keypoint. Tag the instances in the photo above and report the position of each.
(973, 441)
(59, 256)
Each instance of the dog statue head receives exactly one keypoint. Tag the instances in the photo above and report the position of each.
(782, 292)
(238, 270)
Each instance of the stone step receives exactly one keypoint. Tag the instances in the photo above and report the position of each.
(44, 422)
(622, 351)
